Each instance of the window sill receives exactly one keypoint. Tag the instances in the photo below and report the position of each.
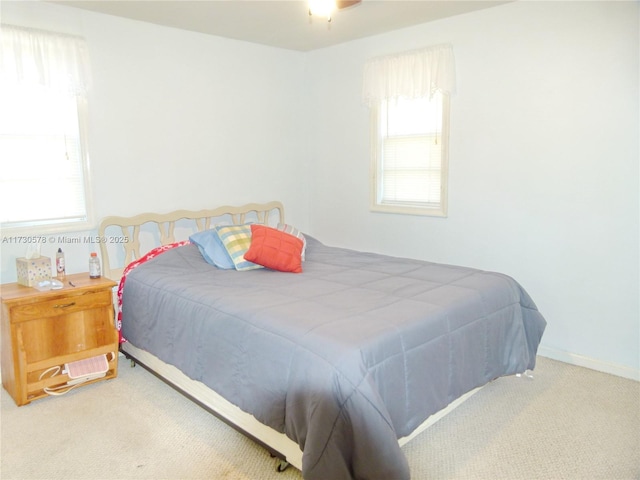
(41, 230)
(409, 210)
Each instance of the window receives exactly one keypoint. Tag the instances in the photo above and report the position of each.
(41, 159)
(408, 95)
(410, 156)
(44, 180)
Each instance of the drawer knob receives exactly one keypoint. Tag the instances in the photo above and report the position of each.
(64, 305)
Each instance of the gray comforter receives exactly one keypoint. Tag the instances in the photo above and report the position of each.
(346, 357)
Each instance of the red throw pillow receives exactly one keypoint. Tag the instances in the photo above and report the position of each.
(274, 249)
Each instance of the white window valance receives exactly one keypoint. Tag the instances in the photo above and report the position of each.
(415, 74)
(36, 57)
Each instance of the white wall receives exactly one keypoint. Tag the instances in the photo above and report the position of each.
(543, 164)
(180, 120)
(544, 148)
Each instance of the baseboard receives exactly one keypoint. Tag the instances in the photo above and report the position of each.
(587, 362)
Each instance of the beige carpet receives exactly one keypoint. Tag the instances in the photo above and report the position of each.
(566, 423)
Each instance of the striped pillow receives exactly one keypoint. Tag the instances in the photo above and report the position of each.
(283, 227)
(237, 240)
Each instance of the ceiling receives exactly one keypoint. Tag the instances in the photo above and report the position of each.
(283, 23)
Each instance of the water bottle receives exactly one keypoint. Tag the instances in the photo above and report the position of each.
(94, 266)
(60, 265)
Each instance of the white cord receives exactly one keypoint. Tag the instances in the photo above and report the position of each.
(55, 367)
(58, 390)
(54, 390)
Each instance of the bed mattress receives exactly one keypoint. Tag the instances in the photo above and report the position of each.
(344, 358)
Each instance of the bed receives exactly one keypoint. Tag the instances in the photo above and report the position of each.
(331, 369)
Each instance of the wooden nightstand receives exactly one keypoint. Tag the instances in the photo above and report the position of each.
(41, 330)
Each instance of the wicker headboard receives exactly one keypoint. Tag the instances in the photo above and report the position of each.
(122, 242)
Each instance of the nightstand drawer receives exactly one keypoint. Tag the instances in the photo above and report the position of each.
(61, 306)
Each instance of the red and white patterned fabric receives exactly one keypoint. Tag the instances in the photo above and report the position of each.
(148, 256)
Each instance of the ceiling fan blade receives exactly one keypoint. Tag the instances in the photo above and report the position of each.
(346, 3)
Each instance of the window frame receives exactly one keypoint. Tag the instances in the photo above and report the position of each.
(376, 204)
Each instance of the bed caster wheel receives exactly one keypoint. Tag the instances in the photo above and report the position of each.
(282, 465)
(133, 363)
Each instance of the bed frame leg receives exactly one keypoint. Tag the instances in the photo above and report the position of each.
(281, 465)
(131, 359)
